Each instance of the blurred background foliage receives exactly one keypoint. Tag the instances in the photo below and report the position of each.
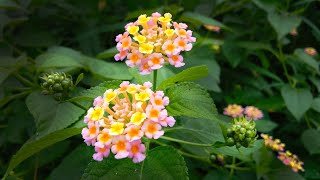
(255, 58)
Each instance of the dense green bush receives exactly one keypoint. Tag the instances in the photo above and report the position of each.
(248, 52)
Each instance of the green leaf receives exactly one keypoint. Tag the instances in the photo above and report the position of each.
(311, 141)
(108, 70)
(265, 126)
(51, 115)
(298, 101)
(50, 60)
(203, 55)
(316, 104)
(190, 99)
(189, 74)
(283, 23)
(306, 59)
(155, 166)
(74, 164)
(109, 53)
(202, 131)
(33, 146)
(163, 74)
(242, 153)
(92, 93)
(204, 20)
(79, 78)
(233, 53)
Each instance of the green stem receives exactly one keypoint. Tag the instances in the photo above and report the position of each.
(282, 60)
(307, 121)
(232, 167)
(185, 142)
(23, 80)
(237, 168)
(155, 74)
(147, 143)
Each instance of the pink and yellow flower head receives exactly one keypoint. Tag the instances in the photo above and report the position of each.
(151, 41)
(291, 160)
(310, 51)
(121, 117)
(233, 110)
(253, 113)
(274, 144)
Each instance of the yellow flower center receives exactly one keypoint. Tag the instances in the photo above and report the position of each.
(169, 32)
(138, 117)
(143, 19)
(116, 128)
(97, 113)
(140, 38)
(121, 146)
(143, 96)
(166, 18)
(146, 48)
(110, 96)
(133, 29)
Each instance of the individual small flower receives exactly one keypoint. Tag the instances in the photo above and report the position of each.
(233, 110)
(274, 144)
(310, 51)
(253, 113)
(136, 151)
(151, 41)
(294, 32)
(291, 160)
(121, 117)
(101, 152)
(212, 28)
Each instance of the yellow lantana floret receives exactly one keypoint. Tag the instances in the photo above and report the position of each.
(140, 38)
(146, 48)
(138, 117)
(116, 129)
(110, 95)
(97, 113)
(166, 18)
(169, 32)
(143, 96)
(133, 29)
(143, 19)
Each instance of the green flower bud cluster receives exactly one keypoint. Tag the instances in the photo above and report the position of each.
(57, 84)
(242, 132)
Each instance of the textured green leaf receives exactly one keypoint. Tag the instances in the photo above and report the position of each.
(189, 74)
(203, 131)
(92, 93)
(74, 164)
(162, 74)
(298, 101)
(190, 99)
(306, 59)
(155, 166)
(265, 126)
(189, 16)
(203, 55)
(51, 115)
(283, 23)
(33, 146)
(242, 153)
(108, 70)
(311, 141)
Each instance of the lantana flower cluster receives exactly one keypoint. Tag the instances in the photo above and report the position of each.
(120, 118)
(235, 110)
(310, 51)
(151, 41)
(286, 157)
